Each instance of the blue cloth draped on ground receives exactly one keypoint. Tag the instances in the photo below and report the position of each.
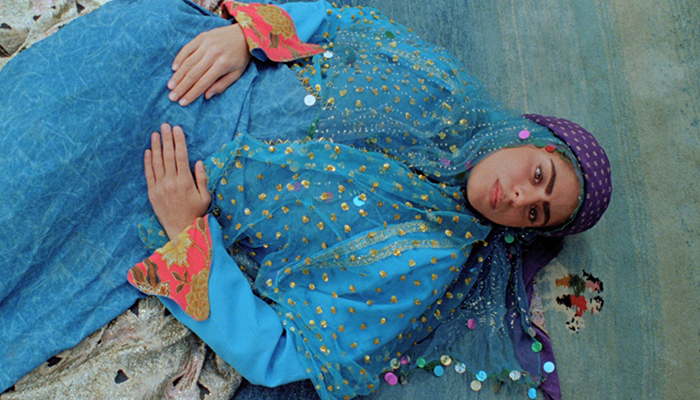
(77, 112)
(77, 141)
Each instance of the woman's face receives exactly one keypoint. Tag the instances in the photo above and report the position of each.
(524, 187)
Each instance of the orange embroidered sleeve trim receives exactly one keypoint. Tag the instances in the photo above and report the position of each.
(270, 29)
(180, 270)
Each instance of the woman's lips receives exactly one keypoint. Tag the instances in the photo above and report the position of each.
(496, 192)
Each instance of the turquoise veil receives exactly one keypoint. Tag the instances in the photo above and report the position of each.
(385, 92)
(384, 89)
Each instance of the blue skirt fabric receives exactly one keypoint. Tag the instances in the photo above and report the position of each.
(76, 114)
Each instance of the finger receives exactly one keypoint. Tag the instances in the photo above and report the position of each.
(148, 170)
(193, 74)
(223, 83)
(204, 82)
(176, 83)
(201, 176)
(182, 162)
(168, 150)
(186, 51)
(157, 151)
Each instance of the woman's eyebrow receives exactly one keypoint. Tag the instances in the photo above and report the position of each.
(548, 191)
(545, 208)
(550, 185)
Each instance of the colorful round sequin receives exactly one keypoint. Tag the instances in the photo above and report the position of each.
(509, 239)
(438, 371)
(395, 363)
(328, 54)
(446, 360)
(420, 362)
(514, 375)
(310, 100)
(475, 385)
(405, 360)
(537, 347)
(391, 378)
(471, 324)
(358, 202)
(532, 393)
(548, 367)
(481, 376)
(524, 134)
(460, 368)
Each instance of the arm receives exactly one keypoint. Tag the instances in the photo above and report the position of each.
(214, 60)
(202, 286)
(197, 279)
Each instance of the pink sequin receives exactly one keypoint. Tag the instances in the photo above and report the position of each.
(391, 379)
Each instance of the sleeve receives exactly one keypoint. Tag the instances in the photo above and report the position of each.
(202, 286)
(293, 30)
(270, 31)
(319, 21)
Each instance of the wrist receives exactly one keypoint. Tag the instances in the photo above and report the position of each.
(174, 228)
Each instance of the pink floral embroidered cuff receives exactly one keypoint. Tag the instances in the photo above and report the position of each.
(180, 270)
(270, 29)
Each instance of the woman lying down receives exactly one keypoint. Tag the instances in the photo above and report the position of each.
(389, 204)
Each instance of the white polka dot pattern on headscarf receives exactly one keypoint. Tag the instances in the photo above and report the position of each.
(595, 167)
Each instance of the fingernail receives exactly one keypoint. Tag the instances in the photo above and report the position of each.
(183, 102)
(171, 85)
(175, 67)
(172, 96)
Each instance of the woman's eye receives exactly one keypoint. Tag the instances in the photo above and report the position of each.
(532, 215)
(538, 175)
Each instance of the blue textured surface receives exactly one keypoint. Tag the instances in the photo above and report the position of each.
(88, 165)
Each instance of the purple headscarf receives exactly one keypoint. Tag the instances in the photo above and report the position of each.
(595, 167)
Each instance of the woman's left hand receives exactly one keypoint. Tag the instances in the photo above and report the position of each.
(209, 64)
(176, 197)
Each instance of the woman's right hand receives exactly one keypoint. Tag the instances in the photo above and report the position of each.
(209, 64)
(177, 197)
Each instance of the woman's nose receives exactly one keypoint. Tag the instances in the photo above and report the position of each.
(523, 195)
